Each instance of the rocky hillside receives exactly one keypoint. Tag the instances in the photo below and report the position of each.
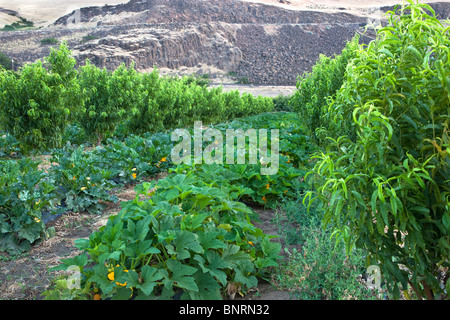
(259, 43)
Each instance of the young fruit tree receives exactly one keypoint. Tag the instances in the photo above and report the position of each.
(35, 104)
(384, 180)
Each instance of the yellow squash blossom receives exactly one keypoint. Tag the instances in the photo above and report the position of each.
(134, 175)
(83, 188)
(111, 277)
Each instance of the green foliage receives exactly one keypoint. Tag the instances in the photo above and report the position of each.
(5, 61)
(24, 192)
(166, 104)
(317, 268)
(89, 38)
(283, 103)
(41, 100)
(314, 89)
(9, 146)
(36, 104)
(61, 291)
(135, 157)
(49, 41)
(322, 271)
(82, 184)
(243, 80)
(293, 218)
(108, 98)
(189, 237)
(23, 23)
(383, 180)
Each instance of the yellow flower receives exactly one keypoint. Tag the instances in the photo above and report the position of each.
(251, 243)
(74, 178)
(163, 159)
(37, 220)
(264, 199)
(134, 175)
(134, 169)
(73, 165)
(267, 186)
(111, 276)
(83, 188)
(285, 191)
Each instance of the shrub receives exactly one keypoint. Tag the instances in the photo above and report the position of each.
(109, 98)
(5, 61)
(25, 192)
(320, 270)
(49, 41)
(383, 181)
(36, 103)
(314, 89)
(282, 103)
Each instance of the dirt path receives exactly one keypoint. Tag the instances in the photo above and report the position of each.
(256, 90)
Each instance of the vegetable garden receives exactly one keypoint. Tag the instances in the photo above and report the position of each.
(363, 177)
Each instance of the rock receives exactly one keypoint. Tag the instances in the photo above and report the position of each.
(266, 44)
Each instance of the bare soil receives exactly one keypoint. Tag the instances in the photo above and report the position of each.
(259, 90)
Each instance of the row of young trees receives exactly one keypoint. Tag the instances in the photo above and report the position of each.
(37, 103)
(383, 177)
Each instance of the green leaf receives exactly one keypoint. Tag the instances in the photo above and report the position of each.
(31, 232)
(183, 243)
(244, 275)
(150, 276)
(213, 265)
(101, 278)
(208, 288)
(271, 249)
(181, 275)
(123, 294)
(208, 240)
